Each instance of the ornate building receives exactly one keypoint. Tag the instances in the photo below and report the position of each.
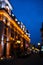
(13, 34)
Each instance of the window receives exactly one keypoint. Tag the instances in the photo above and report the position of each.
(2, 4)
(12, 33)
(5, 29)
(18, 36)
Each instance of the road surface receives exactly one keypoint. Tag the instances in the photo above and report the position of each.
(33, 59)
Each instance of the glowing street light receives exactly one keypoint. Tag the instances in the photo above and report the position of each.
(38, 43)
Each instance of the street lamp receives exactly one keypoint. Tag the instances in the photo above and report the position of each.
(39, 46)
(38, 43)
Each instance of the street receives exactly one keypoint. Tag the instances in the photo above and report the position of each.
(33, 59)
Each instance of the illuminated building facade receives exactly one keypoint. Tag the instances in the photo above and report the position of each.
(13, 34)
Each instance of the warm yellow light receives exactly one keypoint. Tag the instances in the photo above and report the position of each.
(32, 47)
(11, 20)
(18, 41)
(27, 38)
(1, 58)
(21, 45)
(15, 25)
(8, 23)
(9, 56)
(36, 49)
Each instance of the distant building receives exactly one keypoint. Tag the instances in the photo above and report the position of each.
(41, 37)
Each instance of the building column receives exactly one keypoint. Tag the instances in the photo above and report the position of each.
(1, 38)
(2, 44)
(24, 44)
(8, 42)
(7, 49)
(0, 50)
(21, 39)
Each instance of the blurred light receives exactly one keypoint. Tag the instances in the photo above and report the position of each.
(32, 47)
(2, 42)
(23, 28)
(18, 41)
(4, 20)
(7, 7)
(7, 39)
(8, 23)
(3, 4)
(18, 22)
(29, 35)
(12, 14)
(2, 37)
(26, 45)
(41, 48)
(36, 49)
(7, 2)
(26, 33)
(9, 56)
(21, 25)
(1, 58)
(38, 43)
(21, 45)
(15, 25)
(16, 19)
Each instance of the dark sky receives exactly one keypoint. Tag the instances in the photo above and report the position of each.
(30, 12)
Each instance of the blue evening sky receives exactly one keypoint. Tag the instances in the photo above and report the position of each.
(30, 12)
